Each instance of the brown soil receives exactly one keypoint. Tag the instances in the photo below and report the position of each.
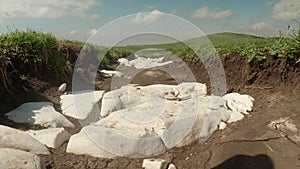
(248, 144)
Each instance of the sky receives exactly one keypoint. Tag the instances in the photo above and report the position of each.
(82, 19)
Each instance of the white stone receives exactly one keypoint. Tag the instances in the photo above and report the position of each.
(226, 114)
(130, 96)
(17, 159)
(111, 73)
(238, 102)
(282, 124)
(176, 125)
(128, 77)
(53, 137)
(108, 142)
(79, 105)
(176, 122)
(82, 143)
(124, 61)
(235, 116)
(42, 113)
(110, 102)
(192, 89)
(210, 125)
(141, 118)
(154, 164)
(143, 62)
(171, 166)
(17, 139)
(62, 88)
(199, 118)
(222, 125)
(146, 63)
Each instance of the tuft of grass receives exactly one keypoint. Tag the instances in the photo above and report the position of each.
(29, 53)
(74, 42)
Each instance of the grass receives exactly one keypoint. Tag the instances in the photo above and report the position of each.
(28, 53)
(252, 47)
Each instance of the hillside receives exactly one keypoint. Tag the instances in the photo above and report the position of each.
(216, 39)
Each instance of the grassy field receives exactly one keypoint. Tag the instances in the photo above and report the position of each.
(29, 52)
(225, 43)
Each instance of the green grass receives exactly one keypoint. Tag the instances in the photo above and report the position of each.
(74, 42)
(29, 53)
(220, 39)
(252, 47)
(26, 53)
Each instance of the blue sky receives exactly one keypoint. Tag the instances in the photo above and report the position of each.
(79, 19)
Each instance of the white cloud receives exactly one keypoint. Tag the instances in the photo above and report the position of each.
(47, 9)
(73, 32)
(261, 28)
(175, 12)
(150, 7)
(92, 31)
(95, 16)
(286, 10)
(146, 19)
(207, 14)
(271, 2)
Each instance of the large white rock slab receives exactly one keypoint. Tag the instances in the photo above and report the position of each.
(148, 122)
(238, 102)
(184, 122)
(80, 104)
(52, 137)
(191, 89)
(178, 123)
(116, 135)
(42, 113)
(110, 102)
(143, 62)
(81, 143)
(17, 159)
(146, 129)
(17, 139)
(132, 95)
(105, 142)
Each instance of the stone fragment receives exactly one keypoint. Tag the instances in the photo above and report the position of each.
(17, 159)
(62, 88)
(17, 139)
(42, 113)
(52, 137)
(80, 104)
(154, 164)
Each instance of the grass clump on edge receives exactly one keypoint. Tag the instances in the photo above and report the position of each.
(29, 53)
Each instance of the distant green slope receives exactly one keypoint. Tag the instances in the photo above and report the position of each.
(219, 39)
